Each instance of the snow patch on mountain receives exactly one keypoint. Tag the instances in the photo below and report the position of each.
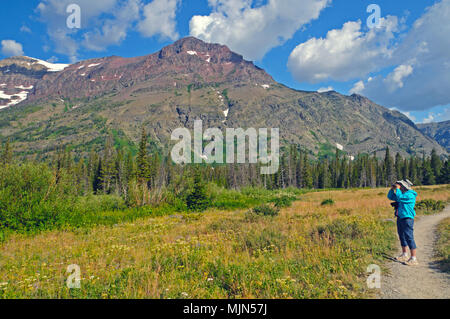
(51, 67)
(13, 98)
(24, 88)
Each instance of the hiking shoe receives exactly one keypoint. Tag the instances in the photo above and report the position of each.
(412, 262)
(402, 258)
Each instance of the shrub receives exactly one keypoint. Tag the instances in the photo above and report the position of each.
(327, 201)
(344, 211)
(283, 201)
(99, 203)
(429, 206)
(266, 210)
(198, 200)
(32, 197)
(257, 242)
(251, 217)
(340, 230)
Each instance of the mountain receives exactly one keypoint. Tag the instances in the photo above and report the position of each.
(19, 75)
(439, 131)
(80, 104)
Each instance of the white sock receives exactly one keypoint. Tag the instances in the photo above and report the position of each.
(413, 258)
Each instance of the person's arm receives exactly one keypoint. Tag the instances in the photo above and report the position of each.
(405, 198)
(391, 195)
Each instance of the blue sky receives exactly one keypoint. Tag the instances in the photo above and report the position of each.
(304, 44)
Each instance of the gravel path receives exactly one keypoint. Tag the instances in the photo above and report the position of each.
(422, 281)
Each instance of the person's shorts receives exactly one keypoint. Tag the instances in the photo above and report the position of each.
(405, 229)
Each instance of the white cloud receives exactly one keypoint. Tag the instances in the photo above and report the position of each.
(53, 14)
(395, 79)
(25, 29)
(11, 48)
(429, 119)
(344, 54)
(160, 19)
(409, 69)
(445, 115)
(251, 29)
(106, 22)
(357, 88)
(113, 31)
(424, 81)
(53, 59)
(325, 89)
(64, 44)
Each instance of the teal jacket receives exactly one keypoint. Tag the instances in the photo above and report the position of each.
(406, 202)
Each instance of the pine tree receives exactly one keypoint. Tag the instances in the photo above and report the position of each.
(436, 163)
(7, 154)
(97, 177)
(299, 169)
(307, 180)
(108, 169)
(428, 174)
(444, 178)
(323, 175)
(143, 166)
(388, 168)
(398, 166)
(405, 170)
(413, 170)
(198, 200)
(335, 173)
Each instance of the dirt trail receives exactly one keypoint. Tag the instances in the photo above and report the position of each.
(424, 280)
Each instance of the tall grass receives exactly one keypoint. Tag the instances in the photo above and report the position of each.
(34, 198)
(443, 245)
(306, 251)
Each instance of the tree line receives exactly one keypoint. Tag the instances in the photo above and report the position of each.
(137, 178)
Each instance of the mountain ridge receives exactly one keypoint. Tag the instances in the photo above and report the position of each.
(440, 131)
(189, 80)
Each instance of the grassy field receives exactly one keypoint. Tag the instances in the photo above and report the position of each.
(317, 248)
(443, 245)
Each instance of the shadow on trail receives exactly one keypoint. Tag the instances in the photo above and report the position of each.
(386, 256)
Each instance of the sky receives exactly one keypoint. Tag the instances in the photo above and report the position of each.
(397, 53)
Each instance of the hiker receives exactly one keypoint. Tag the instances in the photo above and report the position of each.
(402, 193)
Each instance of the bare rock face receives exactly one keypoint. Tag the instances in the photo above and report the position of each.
(78, 104)
(438, 131)
(192, 59)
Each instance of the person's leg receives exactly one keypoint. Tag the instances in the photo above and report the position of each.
(401, 236)
(409, 236)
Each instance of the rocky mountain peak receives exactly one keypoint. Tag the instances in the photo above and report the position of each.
(187, 80)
